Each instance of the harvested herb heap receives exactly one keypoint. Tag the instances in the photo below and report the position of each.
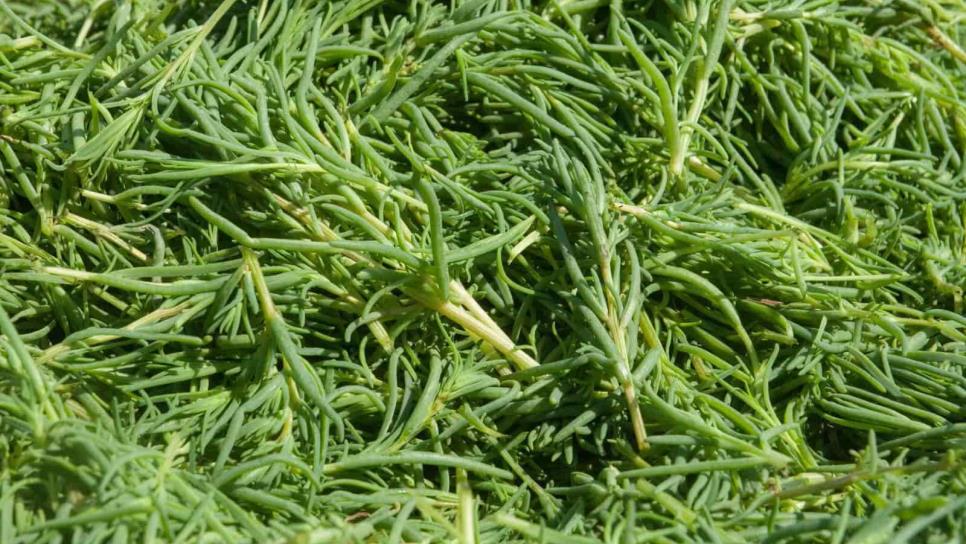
(496, 271)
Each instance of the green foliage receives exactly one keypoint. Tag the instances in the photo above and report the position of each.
(495, 271)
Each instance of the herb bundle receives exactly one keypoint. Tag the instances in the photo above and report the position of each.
(495, 271)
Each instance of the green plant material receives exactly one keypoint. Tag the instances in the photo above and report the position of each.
(482, 271)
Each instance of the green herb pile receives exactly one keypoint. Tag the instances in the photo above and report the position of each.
(482, 271)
